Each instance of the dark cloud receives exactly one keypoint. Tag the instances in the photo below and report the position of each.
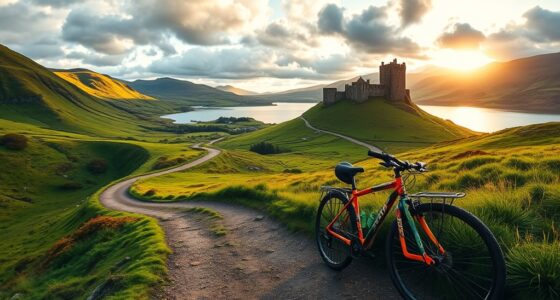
(461, 36)
(543, 25)
(56, 3)
(199, 22)
(331, 19)
(30, 30)
(367, 31)
(412, 11)
(279, 35)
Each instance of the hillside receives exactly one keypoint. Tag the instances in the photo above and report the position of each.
(100, 85)
(391, 126)
(188, 93)
(527, 84)
(32, 94)
(235, 90)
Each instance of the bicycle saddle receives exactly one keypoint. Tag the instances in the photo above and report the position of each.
(345, 172)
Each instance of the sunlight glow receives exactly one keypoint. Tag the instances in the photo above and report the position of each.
(464, 60)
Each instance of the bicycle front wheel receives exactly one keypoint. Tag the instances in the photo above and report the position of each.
(335, 253)
(471, 267)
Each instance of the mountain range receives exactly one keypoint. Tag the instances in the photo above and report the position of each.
(529, 84)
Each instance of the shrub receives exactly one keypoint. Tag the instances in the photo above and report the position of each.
(519, 164)
(293, 171)
(70, 186)
(266, 148)
(14, 141)
(97, 166)
(164, 162)
(466, 181)
(514, 179)
(476, 162)
(533, 271)
(149, 193)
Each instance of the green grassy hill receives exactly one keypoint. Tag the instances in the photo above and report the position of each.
(526, 84)
(100, 85)
(188, 93)
(57, 241)
(33, 94)
(393, 127)
(512, 178)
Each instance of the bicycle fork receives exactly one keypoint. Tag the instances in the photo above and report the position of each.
(424, 257)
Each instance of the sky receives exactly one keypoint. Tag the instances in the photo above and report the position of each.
(274, 45)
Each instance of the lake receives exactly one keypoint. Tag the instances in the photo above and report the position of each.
(478, 119)
(486, 119)
(278, 113)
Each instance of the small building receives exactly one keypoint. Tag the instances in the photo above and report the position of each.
(392, 86)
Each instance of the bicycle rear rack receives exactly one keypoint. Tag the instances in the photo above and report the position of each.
(444, 197)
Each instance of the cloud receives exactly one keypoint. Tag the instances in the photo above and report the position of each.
(461, 36)
(197, 22)
(244, 63)
(96, 59)
(543, 25)
(331, 19)
(56, 3)
(540, 33)
(412, 11)
(30, 30)
(367, 31)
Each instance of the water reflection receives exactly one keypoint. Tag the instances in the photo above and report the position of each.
(278, 113)
(487, 120)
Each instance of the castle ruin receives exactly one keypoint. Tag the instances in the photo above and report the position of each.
(392, 86)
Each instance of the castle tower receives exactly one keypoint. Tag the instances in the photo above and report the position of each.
(393, 77)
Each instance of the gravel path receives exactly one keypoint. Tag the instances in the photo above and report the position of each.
(257, 258)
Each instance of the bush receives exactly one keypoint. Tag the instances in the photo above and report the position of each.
(71, 186)
(266, 148)
(533, 271)
(164, 162)
(97, 166)
(14, 141)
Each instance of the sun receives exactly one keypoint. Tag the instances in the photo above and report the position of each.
(463, 60)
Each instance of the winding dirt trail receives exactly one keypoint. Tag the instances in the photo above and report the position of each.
(257, 258)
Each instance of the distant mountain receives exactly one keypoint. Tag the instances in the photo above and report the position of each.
(237, 91)
(189, 93)
(526, 84)
(33, 94)
(100, 85)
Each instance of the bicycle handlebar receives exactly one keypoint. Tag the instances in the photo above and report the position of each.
(391, 161)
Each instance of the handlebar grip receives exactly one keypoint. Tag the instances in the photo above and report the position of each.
(379, 155)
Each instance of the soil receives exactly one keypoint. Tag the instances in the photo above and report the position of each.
(257, 258)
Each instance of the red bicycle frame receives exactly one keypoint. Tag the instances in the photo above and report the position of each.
(402, 209)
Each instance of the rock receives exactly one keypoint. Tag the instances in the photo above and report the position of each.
(269, 250)
(259, 218)
(194, 263)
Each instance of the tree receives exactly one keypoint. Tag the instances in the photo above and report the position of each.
(14, 141)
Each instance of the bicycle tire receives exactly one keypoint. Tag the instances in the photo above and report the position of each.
(334, 252)
(471, 285)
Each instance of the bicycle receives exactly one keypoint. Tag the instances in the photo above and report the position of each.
(453, 256)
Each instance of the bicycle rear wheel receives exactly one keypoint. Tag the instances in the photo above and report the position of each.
(334, 252)
(472, 266)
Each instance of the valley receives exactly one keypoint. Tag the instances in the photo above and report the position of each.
(100, 198)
